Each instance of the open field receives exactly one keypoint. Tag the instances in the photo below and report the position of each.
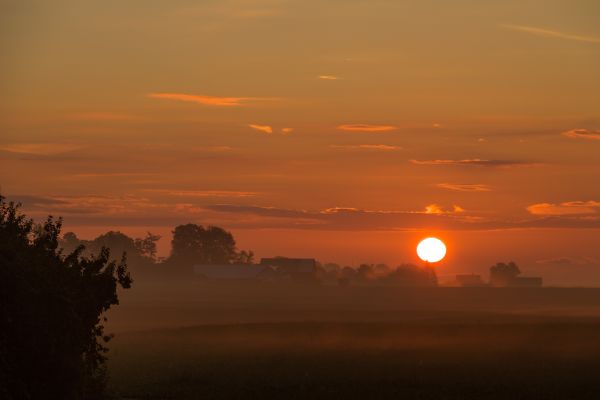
(362, 343)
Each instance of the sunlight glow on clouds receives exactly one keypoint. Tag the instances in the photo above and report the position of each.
(202, 193)
(205, 100)
(376, 147)
(473, 162)
(566, 208)
(464, 187)
(552, 34)
(45, 149)
(262, 128)
(439, 210)
(583, 134)
(366, 128)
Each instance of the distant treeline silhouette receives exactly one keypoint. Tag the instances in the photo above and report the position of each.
(402, 275)
(194, 244)
(51, 310)
(191, 245)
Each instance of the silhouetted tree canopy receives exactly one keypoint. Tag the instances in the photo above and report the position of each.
(141, 252)
(502, 274)
(195, 245)
(51, 338)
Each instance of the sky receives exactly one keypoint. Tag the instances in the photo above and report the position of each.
(341, 130)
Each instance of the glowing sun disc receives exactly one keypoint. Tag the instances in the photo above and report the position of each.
(431, 250)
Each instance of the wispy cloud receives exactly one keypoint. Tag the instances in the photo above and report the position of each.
(439, 210)
(373, 147)
(465, 187)
(567, 208)
(366, 128)
(262, 128)
(433, 216)
(87, 175)
(551, 33)
(102, 116)
(202, 193)
(213, 149)
(208, 100)
(583, 134)
(569, 261)
(477, 162)
(180, 206)
(329, 77)
(40, 149)
(286, 131)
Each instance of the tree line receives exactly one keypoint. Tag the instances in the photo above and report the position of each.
(191, 244)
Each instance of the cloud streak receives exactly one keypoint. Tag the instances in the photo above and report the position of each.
(202, 193)
(583, 134)
(40, 149)
(567, 208)
(473, 162)
(329, 77)
(262, 128)
(465, 187)
(368, 147)
(552, 34)
(366, 128)
(349, 218)
(181, 206)
(207, 100)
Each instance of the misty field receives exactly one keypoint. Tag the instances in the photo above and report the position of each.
(319, 343)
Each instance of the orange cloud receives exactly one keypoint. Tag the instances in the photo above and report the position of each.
(285, 131)
(566, 208)
(205, 100)
(203, 193)
(334, 210)
(376, 147)
(262, 128)
(102, 116)
(464, 187)
(583, 134)
(328, 77)
(366, 128)
(439, 210)
(552, 34)
(40, 149)
(473, 162)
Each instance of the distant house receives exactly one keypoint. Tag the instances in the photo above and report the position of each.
(234, 272)
(469, 280)
(296, 269)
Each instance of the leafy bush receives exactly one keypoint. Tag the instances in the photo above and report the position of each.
(51, 311)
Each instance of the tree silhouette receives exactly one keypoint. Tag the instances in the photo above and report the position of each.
(147, 246)
(195, 245)
(51, 338)
(141, 252)
(502, 274)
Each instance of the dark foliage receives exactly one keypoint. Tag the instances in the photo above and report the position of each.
(502, 274)
(193, 244)
(382, 274)
(51, 308)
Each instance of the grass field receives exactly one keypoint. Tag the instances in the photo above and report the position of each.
(419, 354)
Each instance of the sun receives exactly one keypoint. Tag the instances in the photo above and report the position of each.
(431, 250)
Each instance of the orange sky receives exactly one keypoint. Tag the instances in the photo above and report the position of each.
(344, 130)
